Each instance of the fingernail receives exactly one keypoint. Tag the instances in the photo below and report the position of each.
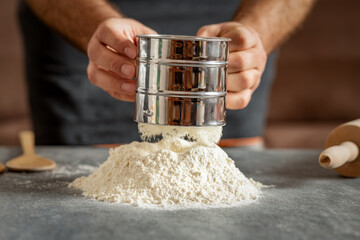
(130, 52)
(128, 87)
(128, 69)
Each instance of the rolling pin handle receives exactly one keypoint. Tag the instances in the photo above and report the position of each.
(336, 156)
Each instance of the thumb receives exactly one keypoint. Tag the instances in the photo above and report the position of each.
(148, 30)
(144, 30)
(209, 31)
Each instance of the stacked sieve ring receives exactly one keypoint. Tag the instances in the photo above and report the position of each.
(181, 80)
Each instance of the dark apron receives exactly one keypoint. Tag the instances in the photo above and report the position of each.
(67, 109)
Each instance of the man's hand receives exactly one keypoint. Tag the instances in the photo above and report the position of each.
(112, 53)
(246, 62)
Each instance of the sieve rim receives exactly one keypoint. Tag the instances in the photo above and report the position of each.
(183, 37)
(211, 124)
(184, 94)
(182, 63)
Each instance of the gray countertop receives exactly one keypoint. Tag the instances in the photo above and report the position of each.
(307, 202)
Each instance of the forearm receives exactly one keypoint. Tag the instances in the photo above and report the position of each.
(274, 20)
(75, 20)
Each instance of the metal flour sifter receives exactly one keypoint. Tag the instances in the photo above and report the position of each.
(181, 80)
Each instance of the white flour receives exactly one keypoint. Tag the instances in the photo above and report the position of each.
(171, 173)
(200, 134)
(66, 170)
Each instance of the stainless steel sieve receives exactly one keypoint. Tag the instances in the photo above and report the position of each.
(181, 80)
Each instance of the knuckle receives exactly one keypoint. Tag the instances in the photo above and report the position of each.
(102, 30)
(117, 95)
(202, 30)
(105, 30)
(92, 50)
(105, 27)
(245, 37)
(241, 36)
(256, 81)
(115, 65)
(228, 103)
(91, 74)
(241, 60)
(116, 85)
(246, 81)
(250, 32)
(263, 57)
(114, 94)
(243, 102)
(257, 76)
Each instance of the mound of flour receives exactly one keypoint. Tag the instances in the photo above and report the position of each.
(171, 173)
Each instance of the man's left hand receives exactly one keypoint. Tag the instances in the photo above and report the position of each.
(246, 62)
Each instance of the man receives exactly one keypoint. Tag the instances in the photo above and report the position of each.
(67, 109)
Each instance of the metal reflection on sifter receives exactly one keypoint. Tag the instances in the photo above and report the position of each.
(181, 80)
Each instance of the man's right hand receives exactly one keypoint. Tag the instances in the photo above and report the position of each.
(112, 53)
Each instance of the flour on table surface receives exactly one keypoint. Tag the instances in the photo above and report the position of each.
(171, 173)
(69, 170)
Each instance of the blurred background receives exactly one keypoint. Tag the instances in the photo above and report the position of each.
(317, 85)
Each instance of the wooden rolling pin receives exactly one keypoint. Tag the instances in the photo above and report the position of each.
(342, 150)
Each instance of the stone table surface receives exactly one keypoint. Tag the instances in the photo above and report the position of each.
(306, 202)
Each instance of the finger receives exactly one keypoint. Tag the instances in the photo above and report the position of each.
(112, 35)
(145, 30)
(242, 38)
(243, 60)
(111, 61)
(209, 31)
(109, 81)
(243, 80)
(123, 96)
(238, 100)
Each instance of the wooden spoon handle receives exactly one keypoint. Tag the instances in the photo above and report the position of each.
(27, 142)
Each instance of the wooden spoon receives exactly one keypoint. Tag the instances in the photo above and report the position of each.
(29, 161)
